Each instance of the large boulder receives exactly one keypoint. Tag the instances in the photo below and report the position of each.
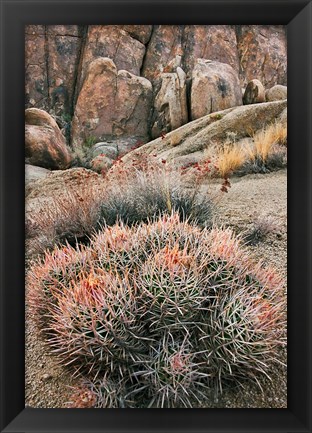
(254, 93)
(192, 139)
(276, 93)
(33, 173)
(215, 87)
(111, 104)
(45, 145)
(262, 53)
(170, 106)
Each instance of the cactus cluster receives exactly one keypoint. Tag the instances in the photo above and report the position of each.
(157, 314)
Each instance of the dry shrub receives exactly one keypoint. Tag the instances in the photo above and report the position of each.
(159, 314)
(146, 189)
(279, 133)
(70, 216)
(262, 227)
(150, 188)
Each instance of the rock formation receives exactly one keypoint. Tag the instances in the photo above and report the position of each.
(170, 106)
(114, 42)
(254, 93)
(111, 103)
(190, 141)
(45, 145)
(276, 93)
(262, 54)
(129, 83)
(209, 42)
(215, 87)
(163, 53)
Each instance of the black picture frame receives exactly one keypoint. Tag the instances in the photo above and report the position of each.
(297, 15)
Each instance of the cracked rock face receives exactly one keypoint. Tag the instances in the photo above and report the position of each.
(36, 74)
(52, 55)
(141, 32)
(215, 87)
(209, 42)
(262, 53)
(164, 52)
(63, 43)
(45, 146)
(112, 41)
(111, 103)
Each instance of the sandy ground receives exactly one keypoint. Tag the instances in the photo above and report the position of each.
(47, 384)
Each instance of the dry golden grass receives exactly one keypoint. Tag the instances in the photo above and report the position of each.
(265, 139)
(230, 158)
(279, 132)
(267, 142)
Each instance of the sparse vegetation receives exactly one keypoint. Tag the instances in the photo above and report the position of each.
(139, 193)
(81, 157)
(265, 140)
(267, 152)
(149, 189)
(262, 227)
(158, 314)
(89, 141)
(71, 219)
(229, 159)
(216, 116)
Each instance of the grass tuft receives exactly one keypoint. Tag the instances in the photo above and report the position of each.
(229, 159)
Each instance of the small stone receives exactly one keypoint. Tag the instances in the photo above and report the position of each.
(254, 93)
(105, 149)
(276, 93)
(46, 376)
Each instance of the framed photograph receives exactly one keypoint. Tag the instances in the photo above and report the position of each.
(155, 242)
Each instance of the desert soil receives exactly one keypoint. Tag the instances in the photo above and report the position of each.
(48, 384)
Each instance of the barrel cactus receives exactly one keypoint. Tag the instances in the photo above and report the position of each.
(157, 314)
